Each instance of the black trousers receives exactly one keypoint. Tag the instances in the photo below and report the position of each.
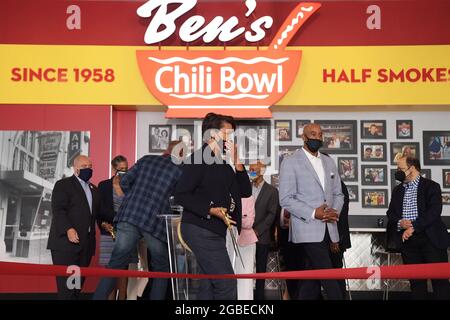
(294, 260)
(419, 249)
(318, 257)
(262, 252)
(336, 261)
(212, 257)
(63, 258)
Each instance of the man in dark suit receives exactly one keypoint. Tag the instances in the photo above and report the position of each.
(267, 208)
(414, 221)
(75, 202)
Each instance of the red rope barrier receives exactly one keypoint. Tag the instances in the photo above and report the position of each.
(411, 271)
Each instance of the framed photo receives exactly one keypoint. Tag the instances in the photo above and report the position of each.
(374, 198)
(159, 137)
(353, 193)
(373, 129)
(185, 133)
(402, 149)
(446, 198)
(253, 140)
(374, 175)
(274, 180)
(446, 178)
(436, 148)
(299, 124)
(404, 129)
(373, 151)
(283, 129)
(339, 136)
(284, 151)
(426, 173)
(348, 169)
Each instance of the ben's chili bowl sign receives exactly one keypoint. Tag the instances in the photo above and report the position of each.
(241, 83)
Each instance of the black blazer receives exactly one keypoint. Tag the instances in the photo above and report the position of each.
(202, 186)
(70, 209)
(429, 202)
(342, 224)
(106, 212)
(267, 208)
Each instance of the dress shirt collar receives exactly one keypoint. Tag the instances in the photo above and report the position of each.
(413, 183)
(310, 156)
(83, 183)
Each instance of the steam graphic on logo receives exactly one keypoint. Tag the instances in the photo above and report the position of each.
(251, 5)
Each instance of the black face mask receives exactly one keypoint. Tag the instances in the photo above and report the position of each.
(314, 144)
(85, 174)
(400, 175)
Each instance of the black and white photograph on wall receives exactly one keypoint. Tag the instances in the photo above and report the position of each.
(31, 162)
(299, 125)
(374, 198)
(436, 145)
(185, 133)
(339, 136)
(285, 151)
(283, 129)
(254, 140)
(348, 169)
(404, 129)
(373, 151)
(425, 173)
(373, 129)
(274, 180)
(446, 198)
(159, 138)
(446, 178)
(374, 175)
(404, 149)
(353, 193)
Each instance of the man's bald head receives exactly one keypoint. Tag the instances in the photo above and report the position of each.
(81, 162)
(312, 131)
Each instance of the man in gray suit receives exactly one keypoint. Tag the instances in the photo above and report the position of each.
(310, 189)
(267, 207)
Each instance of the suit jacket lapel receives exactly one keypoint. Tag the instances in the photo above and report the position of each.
(81, 190)
(261, 194)
(310, 167)
(326, 172)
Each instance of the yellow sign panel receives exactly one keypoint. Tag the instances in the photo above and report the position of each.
(109, 75)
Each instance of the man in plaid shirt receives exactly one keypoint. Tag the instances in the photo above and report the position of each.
(148, 186)
(416, 225)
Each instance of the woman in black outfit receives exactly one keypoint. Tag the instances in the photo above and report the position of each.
(111, 197)
(209, 186)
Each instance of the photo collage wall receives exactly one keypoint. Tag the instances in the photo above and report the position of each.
(365, 147)
(367, 175)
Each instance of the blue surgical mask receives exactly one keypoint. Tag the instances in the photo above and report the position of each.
(252, 175)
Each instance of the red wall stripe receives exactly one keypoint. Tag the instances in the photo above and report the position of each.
(407, 22)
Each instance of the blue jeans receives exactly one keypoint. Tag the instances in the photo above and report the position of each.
(127, 237)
